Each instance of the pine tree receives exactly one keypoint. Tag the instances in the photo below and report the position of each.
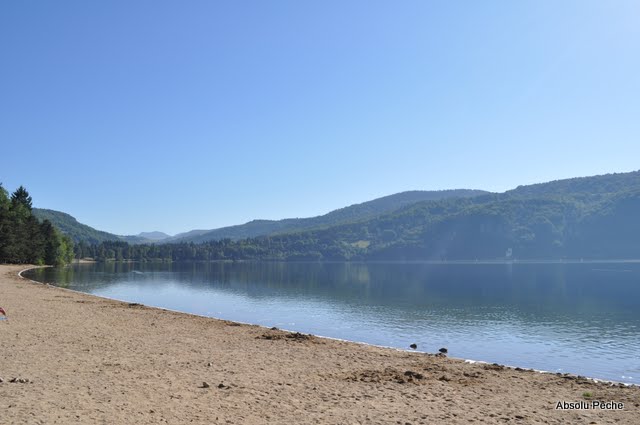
(21, 197)
(23, 239)
(5, 225)
(51, 244)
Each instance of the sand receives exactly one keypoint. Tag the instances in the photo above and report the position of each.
(77, 358)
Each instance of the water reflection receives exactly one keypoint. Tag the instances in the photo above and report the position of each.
(581, 318)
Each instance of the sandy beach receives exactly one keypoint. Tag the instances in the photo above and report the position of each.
(67, 358)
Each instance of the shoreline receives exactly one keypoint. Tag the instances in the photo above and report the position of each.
(402, 350)
(89, 357)
(430, 262)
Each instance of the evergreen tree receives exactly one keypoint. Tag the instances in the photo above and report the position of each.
(23, 239)
(21, 197)
(5, 224)
(35, 244)
(52, 243)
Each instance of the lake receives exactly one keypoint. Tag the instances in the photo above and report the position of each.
(580, 318)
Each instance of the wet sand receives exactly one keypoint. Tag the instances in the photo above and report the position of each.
(76, 358)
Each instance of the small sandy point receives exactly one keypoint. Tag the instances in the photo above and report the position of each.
(84, 359)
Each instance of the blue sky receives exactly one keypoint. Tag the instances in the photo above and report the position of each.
(154, 115)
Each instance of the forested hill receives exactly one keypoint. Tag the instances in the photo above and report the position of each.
(153, 236)
(81, 232)
(589, 188)
(593, 217)
(353, 213)
(587, 218)
(26, 240)
(584, 218)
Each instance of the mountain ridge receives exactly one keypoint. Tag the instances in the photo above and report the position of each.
(354, 212)
(592, 218)
(77, 231)
(586, 217)
(69, 225)
(154, 235)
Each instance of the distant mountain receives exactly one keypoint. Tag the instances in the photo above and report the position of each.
(353, 213)
(154, 236)
(81, 232)
(581, 218)
(71, 227)
(590, 218)
(189, 234)
(591, 188)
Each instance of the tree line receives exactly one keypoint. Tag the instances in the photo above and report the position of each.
(24, 239)
(487, 227)
(588, 218)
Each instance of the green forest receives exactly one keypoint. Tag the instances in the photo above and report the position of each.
(350, 214)
(24, 238)
(581, 218)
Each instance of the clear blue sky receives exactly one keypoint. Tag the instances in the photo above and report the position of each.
(154, 115)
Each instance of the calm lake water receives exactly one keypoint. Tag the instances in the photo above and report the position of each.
(577, 318)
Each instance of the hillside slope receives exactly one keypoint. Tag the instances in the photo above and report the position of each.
(591, 217)
(77, 231)
(353, 213)
(588, 218)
